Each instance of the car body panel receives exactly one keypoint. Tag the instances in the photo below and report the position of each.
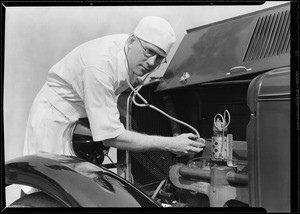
(75, 182)
(243, 45)
(269, 141)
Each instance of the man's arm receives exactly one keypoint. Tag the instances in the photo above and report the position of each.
(133, 141)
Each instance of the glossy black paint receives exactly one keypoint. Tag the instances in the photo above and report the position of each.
(211, 52)
(75, 182)
(269, 141)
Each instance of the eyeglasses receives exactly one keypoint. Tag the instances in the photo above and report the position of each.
(149, 53)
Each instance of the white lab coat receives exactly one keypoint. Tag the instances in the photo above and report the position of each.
(85, 83)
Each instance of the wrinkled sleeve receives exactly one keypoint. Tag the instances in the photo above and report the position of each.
(101, 104)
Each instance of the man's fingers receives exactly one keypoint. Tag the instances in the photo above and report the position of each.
(196, 150)
(198, 144)
(192, 136)
(202, 141)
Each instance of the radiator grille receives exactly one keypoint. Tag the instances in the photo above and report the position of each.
(271, 36)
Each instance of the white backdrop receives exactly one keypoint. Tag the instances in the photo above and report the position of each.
(37, 37)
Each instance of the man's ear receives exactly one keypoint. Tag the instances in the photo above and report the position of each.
(130, 40)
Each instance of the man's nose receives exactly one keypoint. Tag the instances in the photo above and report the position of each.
(152, 60)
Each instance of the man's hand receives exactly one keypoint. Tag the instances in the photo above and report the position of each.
(186, 144)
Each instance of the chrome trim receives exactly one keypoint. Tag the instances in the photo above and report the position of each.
(269, 97)
(273, 95)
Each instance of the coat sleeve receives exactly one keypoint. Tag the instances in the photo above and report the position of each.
(101, 104)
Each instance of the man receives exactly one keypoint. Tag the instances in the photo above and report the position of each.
(87, 83)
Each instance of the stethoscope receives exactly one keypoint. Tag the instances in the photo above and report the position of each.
(145, 103)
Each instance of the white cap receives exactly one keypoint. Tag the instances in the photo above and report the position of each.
(156, 31)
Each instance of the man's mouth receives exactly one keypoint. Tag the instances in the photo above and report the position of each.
(145, 69)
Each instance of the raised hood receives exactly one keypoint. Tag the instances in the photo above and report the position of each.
(239, 46)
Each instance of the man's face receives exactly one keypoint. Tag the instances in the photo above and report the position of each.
(139, 56)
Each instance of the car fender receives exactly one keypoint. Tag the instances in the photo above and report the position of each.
(75, 182)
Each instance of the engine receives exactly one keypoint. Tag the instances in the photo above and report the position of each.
(207, 183)
(213, 179)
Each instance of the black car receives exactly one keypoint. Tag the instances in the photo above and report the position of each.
(238, 70)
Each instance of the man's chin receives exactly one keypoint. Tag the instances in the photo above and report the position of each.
(140, 73)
